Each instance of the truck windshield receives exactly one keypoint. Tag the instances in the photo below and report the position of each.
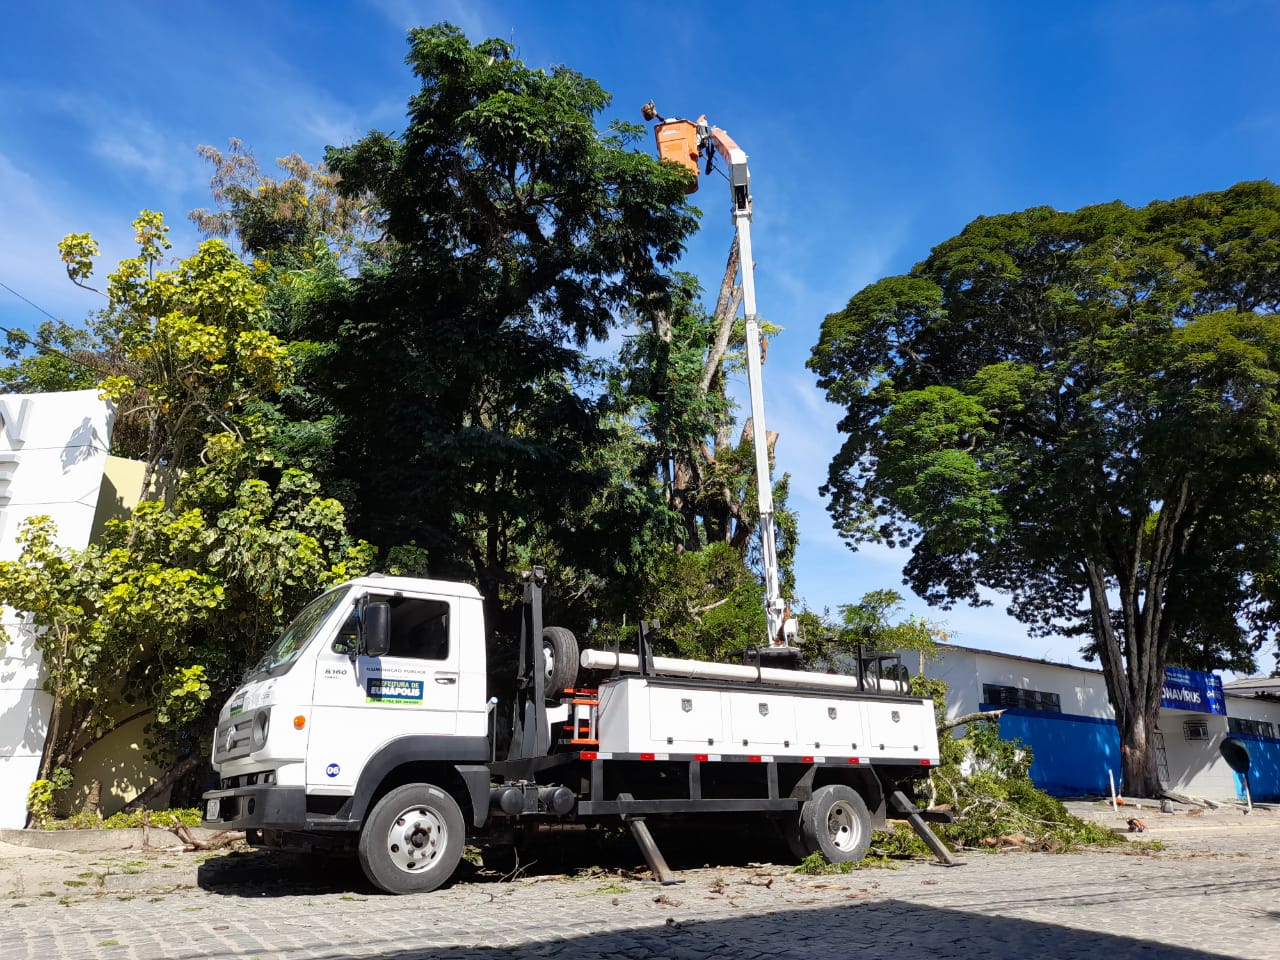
(279, 658)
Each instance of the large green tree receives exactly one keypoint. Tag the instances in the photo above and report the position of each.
(470, 418)
(1079, 410)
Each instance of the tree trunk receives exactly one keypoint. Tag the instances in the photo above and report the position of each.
(1138, 754)
(178, 770)
(1133, 642)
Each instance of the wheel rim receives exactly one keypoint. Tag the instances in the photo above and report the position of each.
(548, 661)
(416, 839)
(843, 826)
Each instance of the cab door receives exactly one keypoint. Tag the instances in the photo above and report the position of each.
(361, 704)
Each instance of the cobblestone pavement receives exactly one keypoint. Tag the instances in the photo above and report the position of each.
(1211, 893)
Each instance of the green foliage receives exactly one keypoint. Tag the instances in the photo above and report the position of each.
(125, 820)
(175, 817)
(192, 340)
(467, 416)
(867, 624)
(41, 794)
(984, 780)
(76, 820)
(899, 842)
(160, 618)
(671, 379)
(709, 603)
(284, 216)
(816, 865)
(1057, 405)
(56, 357)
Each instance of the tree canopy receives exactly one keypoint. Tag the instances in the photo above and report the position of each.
(469, 416)
(1079, 410)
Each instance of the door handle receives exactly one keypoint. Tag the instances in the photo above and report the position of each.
(445, 680)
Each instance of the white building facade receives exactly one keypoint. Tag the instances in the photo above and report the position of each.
(53, 449)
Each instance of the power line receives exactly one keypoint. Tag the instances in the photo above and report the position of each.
(26, 301)
(38, 345)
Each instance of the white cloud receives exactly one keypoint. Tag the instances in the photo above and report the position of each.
(128, 154)
(30, 228)
(475, 19)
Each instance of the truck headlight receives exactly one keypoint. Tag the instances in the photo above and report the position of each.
(261, 724)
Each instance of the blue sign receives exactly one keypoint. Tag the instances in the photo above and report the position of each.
(1192, 690)
(383, 690)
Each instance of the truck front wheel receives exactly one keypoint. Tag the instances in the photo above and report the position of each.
(412, 841)
(835, 823)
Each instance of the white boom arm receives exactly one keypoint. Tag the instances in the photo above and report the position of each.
(740, 184)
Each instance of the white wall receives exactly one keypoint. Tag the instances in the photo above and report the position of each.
(1196, 767)
(1254, 708)
(1082, 692)
(52, 450)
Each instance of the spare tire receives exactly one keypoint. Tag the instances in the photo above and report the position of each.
(560, 661)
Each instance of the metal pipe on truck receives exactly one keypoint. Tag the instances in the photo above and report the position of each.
(705, 670)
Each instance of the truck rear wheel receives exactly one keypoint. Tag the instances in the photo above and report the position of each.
(412, 841)
(835, 823)
(560, 658)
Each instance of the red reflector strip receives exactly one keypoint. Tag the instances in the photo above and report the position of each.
(855, 760)
(806, 759)
(924, 763)
(753, 759)
(701, 757)
(647, 756)
(588, 754)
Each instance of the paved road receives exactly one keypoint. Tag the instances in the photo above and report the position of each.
(1212, 893)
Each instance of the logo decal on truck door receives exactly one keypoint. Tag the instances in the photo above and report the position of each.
(382, 690)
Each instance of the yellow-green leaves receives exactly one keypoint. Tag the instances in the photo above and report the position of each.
(193, 338)
(78, 251)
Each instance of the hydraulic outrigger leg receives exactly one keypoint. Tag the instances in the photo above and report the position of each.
(918, 819)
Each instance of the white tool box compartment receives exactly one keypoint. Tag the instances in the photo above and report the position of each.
(644, 715)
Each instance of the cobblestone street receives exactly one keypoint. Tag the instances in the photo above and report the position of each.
(1211, 893)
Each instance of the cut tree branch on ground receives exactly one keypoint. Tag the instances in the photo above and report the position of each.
(970, 718)
(215, 841)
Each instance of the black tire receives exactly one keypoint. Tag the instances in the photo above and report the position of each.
(560, 659)
(835, 823)
(412, 841)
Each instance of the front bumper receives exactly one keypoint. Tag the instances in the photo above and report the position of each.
(257, 807)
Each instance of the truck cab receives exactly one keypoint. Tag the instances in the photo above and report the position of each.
(321, 708)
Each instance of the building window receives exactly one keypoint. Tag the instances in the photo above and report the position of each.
(999, 696)
(1195, 730)
(1256, 728)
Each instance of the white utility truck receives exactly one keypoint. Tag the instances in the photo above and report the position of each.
(369, 724)
(368, 727)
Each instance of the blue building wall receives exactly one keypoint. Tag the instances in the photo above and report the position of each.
(1264, 768)
(1070, 755)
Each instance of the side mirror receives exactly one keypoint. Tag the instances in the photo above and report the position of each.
(375, 629)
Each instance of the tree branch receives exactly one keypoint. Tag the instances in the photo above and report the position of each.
(970, 718)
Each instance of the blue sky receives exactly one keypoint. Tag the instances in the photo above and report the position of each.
(875, 130)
